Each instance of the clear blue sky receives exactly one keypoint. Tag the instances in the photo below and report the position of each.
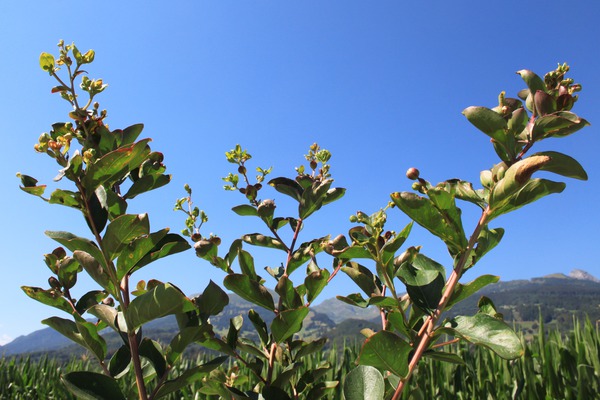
(380, 84)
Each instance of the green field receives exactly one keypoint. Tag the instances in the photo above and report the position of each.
(555, 366)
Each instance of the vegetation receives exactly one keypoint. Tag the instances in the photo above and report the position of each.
(555, 366)
(109, 168)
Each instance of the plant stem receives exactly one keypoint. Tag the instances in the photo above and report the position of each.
(425, 334)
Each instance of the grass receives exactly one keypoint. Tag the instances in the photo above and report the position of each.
(554, 366)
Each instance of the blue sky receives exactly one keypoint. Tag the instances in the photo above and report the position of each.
(380, 84)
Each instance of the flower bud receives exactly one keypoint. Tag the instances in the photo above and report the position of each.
(54, 283)
(412, 174)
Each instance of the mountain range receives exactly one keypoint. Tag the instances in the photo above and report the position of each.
(556, 298)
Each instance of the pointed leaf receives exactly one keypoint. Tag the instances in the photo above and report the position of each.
(462, 292)
(65, 198)
(444, 223)
(164, 299)
(74, 243)
(249, 290)
(212, 301)
(364, 383)
(533, 190)
(189, 377)
(245, 210)
(288, 187)
(559, 124)
(66, 328)
(171, 243)
(93, 341)
(152, 351)
(257, 239)
(364, 278)
(96, 271)
(260, 326)
(563, 165)
(288, 322)
(485, 330)
(313, 198)
(146, 184)
(487, 121)
(119, 362)
(387, 351)
(315, 282)
(122, 230)
(135, 250)
(515, 177)
(90, 299)
(131, 133)
(115, 165)
(92, 386)
(49, 297)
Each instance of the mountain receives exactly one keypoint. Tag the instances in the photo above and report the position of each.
(557, 297)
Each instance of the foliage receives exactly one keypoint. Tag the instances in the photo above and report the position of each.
(571, 360)
(410, 290)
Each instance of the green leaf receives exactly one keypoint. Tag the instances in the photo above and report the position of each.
(444, 357)
(111, 202)
(89, 299)
(310, 348)
(74, 243)
(288, 187)
(260, 326)
(152, 351)
(387, 351)
(487, 240)
(364, 383)
(354, 299)
(257, 239)
(563, 164)
(171, 243)
(249, 290)
(515, 177)
(164, 299)
(184, 338)
(122, 230)
(533, 190)
(106, 314)
(288, 294)
(424, 279)
(534, 82)
(65, 198)
(93, 341)
(313, 198)
(49, 297)
(131, 133)
(464, 190)
(364, 278)
(485, 330)
(333, 195)
(146, 184)
(560, 124)
(390, 248)
(66, 328)
(92, 386)
(212, 301)
(245, 210)
(47, 62)
(115, 165)
(288, 322)
(119, 362)
(96, 271)
(462, 292)
(443, 223)
(305, 252)
(487, 121)
(189, 377)
(247, 264)
(135, 251)
(315, 282)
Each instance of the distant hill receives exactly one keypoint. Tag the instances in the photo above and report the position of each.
(558, 297)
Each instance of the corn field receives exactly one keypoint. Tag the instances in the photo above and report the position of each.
(554, 366)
